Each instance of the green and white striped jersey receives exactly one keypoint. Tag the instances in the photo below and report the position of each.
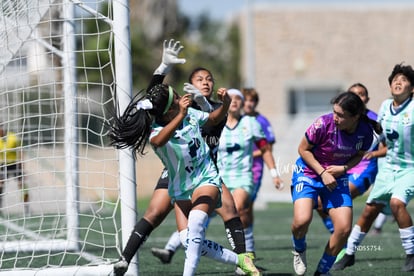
(186, 156)
(235, 154)
(399, 133)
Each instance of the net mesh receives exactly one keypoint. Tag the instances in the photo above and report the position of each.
(33, 222)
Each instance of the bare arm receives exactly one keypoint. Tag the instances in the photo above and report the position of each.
(327, 174)
(305, 151)
(168, 131)
(380, 152)
(258, 152)
(337, 170)
(219, 114)
(267, 155)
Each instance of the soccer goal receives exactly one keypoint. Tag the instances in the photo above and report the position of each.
(68, 199)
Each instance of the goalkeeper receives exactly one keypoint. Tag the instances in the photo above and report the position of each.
(160, 205)
(11, 165)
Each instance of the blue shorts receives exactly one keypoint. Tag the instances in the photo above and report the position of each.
(306, 187)
(364, 180)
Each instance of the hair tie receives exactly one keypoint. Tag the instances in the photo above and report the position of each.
(144, 104)
(170, 98)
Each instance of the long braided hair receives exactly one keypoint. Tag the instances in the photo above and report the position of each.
(133, 128)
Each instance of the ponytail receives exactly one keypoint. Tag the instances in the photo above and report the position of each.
(374, 124)
(133, 127)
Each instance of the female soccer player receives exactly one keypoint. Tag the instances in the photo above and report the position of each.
(394, 185)
(173, 130)
(362, 176)
(235, 160)
(251, 100)
(332, 145)
(201, 84)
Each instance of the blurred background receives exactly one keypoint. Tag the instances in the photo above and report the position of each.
(297, 54)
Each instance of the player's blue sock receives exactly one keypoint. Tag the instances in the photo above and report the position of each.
(299, 244)
(326, 263)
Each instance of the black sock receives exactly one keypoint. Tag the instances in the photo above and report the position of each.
(235, 235)
(138, 236)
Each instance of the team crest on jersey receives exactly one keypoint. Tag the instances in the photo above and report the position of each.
(358, 145)
(316, 125)
(406, 120)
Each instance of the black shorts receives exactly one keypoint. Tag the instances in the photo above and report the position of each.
(163, 180)
(12, 170)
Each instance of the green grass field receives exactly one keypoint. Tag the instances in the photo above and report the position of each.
(273, 246)
(272, 238)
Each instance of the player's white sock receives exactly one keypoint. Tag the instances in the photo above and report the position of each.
(195, 239)
(355, 238)
(380, 220)
(209, 248)
(217, 252)
(174, 242)
(248, 235)
(213, 250)
(407, 239)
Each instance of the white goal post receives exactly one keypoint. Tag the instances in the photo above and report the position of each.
(68, 199)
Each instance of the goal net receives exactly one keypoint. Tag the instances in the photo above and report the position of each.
(59, 178)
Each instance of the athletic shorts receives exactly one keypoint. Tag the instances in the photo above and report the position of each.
(364, 180)
(307, 187)
(7, 171)
(189, 194)
(391, 183)
(247, 187)
(163, 180)
(163, 184)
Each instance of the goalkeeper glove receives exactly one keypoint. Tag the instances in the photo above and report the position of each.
(170, 52)
(198, 97)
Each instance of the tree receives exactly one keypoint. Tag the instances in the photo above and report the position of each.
(210, 44)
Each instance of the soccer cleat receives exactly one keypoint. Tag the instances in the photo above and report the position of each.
(340, 255)
(247, 266)
(120, 267)
(409, 263)
(347, 260)
(164, 255)
(251, 255)
(239, 272)
(299, 262)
